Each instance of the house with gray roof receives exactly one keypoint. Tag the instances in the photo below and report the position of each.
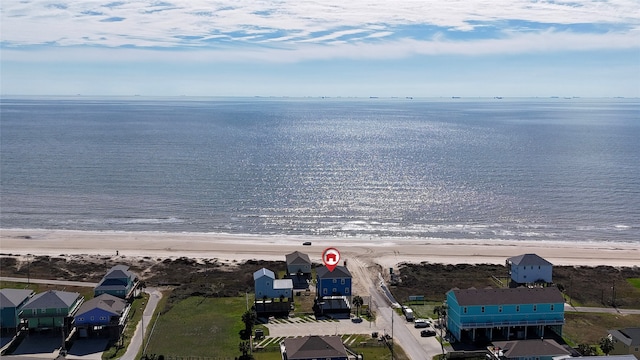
(529, 269)
(11, 302)
(298, 263)
(541, 349)
(51, 309)
(505, 313)
(313, 347)
(101, 316)
(119, 282)
(626, 341)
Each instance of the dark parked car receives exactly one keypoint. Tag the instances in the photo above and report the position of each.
(427, 333)
(306, 243)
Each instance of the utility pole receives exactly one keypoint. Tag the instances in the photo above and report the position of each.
(392, 338)
(142, 323)
(613, 294)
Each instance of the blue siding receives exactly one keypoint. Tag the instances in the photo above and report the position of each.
(494, 316)
(339, 286)
(94, 317)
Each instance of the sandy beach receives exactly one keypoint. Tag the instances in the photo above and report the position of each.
(385, 252)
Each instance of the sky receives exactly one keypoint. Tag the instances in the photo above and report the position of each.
(363, 48)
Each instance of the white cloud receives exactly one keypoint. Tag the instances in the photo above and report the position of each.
(287, 22)
(543, 42)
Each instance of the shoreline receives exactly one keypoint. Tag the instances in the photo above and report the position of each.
(386, 252)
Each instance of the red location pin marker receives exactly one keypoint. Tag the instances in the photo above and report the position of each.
(331, 257)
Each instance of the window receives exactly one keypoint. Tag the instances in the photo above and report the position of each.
(482, 309)
(551, 307)
(335, 290)
(464, 309)
(518, 308)
(346, 291)
(335, 281)
(92, 318)
(103, 318)
(81, 319)
(535, 307)
(324, 291)
(342, 281)
(500, 308)
(43, 310)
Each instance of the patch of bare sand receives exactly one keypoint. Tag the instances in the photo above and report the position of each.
(385, 253)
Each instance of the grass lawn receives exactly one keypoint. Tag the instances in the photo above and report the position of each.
(200, 326)
(588, 328)
(635, 282)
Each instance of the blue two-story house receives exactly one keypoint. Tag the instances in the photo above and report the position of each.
(333, 283)
(514, 313)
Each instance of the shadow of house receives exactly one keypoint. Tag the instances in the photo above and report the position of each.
(11, 302)
(119, 282)
(102, 316)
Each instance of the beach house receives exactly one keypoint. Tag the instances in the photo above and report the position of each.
(528, 269)
(536, 349)
(102, 316)
(119, 282)
(267, 286)
(333, 283)
(51, 309)
(11, 302)
(626, 341)
(508, 313)
(313, 348)
(298, 263)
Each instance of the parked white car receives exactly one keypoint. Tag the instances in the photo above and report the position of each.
(421, 323)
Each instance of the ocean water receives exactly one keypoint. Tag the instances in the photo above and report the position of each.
(525, 169)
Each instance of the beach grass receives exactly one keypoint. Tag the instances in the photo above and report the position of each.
(589, 328)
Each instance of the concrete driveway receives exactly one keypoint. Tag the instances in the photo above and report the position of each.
(40, 345)
(89, 349)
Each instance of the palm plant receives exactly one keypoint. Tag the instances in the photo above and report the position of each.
(358, 301)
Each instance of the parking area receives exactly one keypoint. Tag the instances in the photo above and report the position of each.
(45, 345)
(88, 349)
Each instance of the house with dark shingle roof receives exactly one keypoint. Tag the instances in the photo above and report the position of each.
(529, 269)
(626, 341)
(313, 347)
(333, 283)
(298, 263)
(11, 302)
(51, 309)
(541, 349)
(103, 315)
(119, 282)
(506, 313)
